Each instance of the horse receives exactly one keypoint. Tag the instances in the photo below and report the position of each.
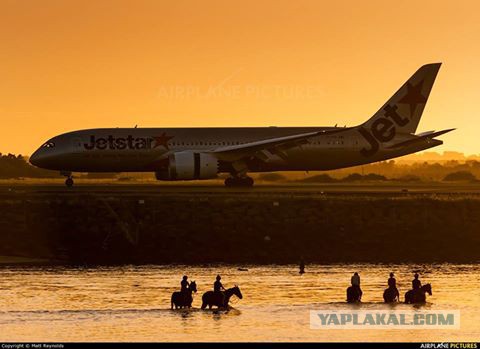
(221, 299)
(354, 294)
(181, 300)
(391, 295)
(418, 296)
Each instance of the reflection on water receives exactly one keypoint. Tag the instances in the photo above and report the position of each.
(132, 303)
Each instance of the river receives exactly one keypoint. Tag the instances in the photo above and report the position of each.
(132, 303)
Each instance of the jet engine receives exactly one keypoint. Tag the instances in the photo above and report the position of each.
(188, 165)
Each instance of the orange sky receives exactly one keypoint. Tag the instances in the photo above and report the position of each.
(70, 64)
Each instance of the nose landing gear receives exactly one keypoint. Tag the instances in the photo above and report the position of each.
(69, 180)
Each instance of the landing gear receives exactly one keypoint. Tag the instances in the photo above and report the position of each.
(69, 182)
(239, 182)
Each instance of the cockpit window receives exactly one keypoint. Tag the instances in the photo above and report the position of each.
(49, 145)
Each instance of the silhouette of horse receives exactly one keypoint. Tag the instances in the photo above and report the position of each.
(418, 296)
(354, 294)
(391, 295)
(221, 299)
(180, 300)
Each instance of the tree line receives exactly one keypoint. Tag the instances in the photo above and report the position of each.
(17, 166)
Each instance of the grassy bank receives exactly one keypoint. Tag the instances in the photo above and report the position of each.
(265, 228)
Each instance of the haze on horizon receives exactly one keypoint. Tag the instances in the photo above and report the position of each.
(69, 65)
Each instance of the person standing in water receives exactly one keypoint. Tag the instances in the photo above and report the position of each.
(302, 266)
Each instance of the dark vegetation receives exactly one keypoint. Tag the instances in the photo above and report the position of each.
(460, 176)
(16, 166)
(321, 178)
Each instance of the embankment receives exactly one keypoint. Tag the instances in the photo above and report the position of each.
(267, 227)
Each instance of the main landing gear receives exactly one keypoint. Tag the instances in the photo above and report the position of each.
(239, 182)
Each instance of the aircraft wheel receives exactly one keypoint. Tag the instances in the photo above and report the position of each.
(229, 182)
(248, 181)
(69, 182)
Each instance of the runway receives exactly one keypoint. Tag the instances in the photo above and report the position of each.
(218, 190)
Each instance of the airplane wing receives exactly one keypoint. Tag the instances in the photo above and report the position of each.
(275, 146)
(422, 137)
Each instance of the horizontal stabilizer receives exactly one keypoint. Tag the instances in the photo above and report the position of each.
(426, 133)
(420, 138)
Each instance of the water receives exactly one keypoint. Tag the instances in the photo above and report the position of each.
(132, 303)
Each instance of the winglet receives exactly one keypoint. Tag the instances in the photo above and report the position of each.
(421, 138)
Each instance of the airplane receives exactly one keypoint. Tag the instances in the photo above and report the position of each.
(178, 154)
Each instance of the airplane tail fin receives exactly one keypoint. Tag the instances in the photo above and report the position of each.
(406, 106)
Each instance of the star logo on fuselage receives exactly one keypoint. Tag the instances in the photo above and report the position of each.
(162, 140)
(414, 96)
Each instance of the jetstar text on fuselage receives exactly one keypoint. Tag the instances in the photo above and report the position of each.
(128, 142)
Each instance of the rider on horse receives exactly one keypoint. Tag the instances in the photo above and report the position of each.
(217, 285)
(184, 285)
(417, 293)
(416, 284)
(392, 286)
(355, 280)
(218, 288)
(392, 282)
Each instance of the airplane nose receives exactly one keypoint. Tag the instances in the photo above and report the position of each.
(36, 158)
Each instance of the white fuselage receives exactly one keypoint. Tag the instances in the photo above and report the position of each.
(148, 149)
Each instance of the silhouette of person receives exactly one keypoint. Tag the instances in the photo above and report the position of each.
(302, 266)
(217, 285)
(392, 282)
(355, 280)
(416, 284)
(184, 284)
(217, 290)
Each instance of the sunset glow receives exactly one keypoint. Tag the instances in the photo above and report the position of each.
(69, 65)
